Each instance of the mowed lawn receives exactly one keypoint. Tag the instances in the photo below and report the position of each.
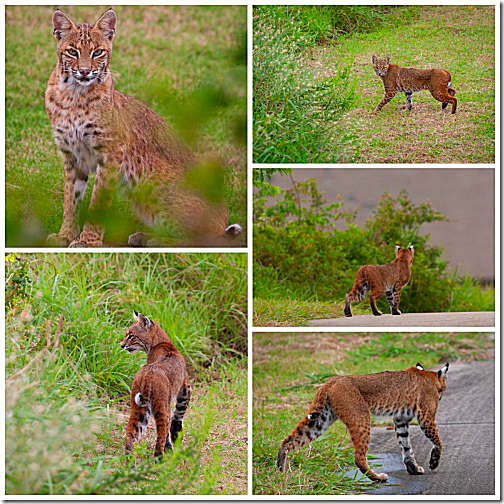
(459, 39)
(164, 56)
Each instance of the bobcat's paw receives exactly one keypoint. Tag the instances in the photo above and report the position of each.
(381, 477)
(413, 468)
(348, 313)
(55, 240)
(138, 240)
(377, 313)
(84, 244)
(435, 458)
(396, 312)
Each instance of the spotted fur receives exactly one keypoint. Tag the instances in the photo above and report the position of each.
(158, 384)
(410, 80)
(388, 279)
(99, 129)
(403, 395)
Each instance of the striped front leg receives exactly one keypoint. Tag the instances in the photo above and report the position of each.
(388, 96)
(429, 428)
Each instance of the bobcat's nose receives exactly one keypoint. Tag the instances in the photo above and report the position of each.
(122, 345)
(84, 71)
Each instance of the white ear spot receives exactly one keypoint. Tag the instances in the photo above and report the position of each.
(419, 366)
(411, 248)
(397, 247)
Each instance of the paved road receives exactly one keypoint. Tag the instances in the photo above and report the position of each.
(466, 422)
(446, 319)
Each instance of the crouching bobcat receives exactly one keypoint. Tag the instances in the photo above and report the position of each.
(162, 381)
(403, 395)
(410, 80)
(99, 129)
(388, 279)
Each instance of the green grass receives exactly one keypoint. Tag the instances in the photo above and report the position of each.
(291, 312)
(457, 38)
(68, 387)
(288, 368)
(186, 62)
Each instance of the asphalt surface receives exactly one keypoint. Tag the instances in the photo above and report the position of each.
(466, 423)
(446, 319)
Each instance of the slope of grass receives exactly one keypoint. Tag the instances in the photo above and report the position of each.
(186, 62)
(457, 38)
(287, 370)
(68, 380)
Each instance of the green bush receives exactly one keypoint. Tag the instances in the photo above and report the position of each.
(297, 107)
(299, 252)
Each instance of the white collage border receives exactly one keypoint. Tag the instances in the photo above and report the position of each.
(250, 166)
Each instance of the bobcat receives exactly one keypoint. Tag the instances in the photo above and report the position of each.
(410, 80)
(99, 129)
(403, 395)
(388, 279)
(162, 381)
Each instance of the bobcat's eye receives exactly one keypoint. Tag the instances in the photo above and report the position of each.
(97, 53)
(72, 52)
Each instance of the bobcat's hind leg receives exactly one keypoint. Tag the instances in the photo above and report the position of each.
(137, 425)
(176, 423)
(401, 424)
(319, 418)
(446, 97)
(356, 295)
(163, 441)
(353, 411)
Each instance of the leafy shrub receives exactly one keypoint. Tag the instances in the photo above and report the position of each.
(300, 253)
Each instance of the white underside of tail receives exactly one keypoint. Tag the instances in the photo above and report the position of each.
(138, 399)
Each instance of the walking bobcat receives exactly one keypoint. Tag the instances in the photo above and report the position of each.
(410, 80)
(388, 279)
(162, 381)
(403, 395)
(99, 129)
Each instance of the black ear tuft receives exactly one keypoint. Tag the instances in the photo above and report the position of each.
(136, 313)
(419, 366)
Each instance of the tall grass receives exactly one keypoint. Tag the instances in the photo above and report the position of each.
(297, 105)
(68, 380)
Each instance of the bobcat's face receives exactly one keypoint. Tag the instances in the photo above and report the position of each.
(139, 335)
(381, 66)
(84, 50)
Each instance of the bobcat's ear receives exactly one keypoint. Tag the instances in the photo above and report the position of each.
(419, 366)
(443, 370)
(142, 319)
(373, 58)
(61, 24)
(387, 59)
(397, 247)
(411, 249)
(107, 23)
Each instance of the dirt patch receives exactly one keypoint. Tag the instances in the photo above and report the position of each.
(332, 346)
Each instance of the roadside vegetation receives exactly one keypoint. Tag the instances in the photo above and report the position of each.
(304, 265)
(68, 380)
(287, 370)
(315, 90)
(188, 63)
